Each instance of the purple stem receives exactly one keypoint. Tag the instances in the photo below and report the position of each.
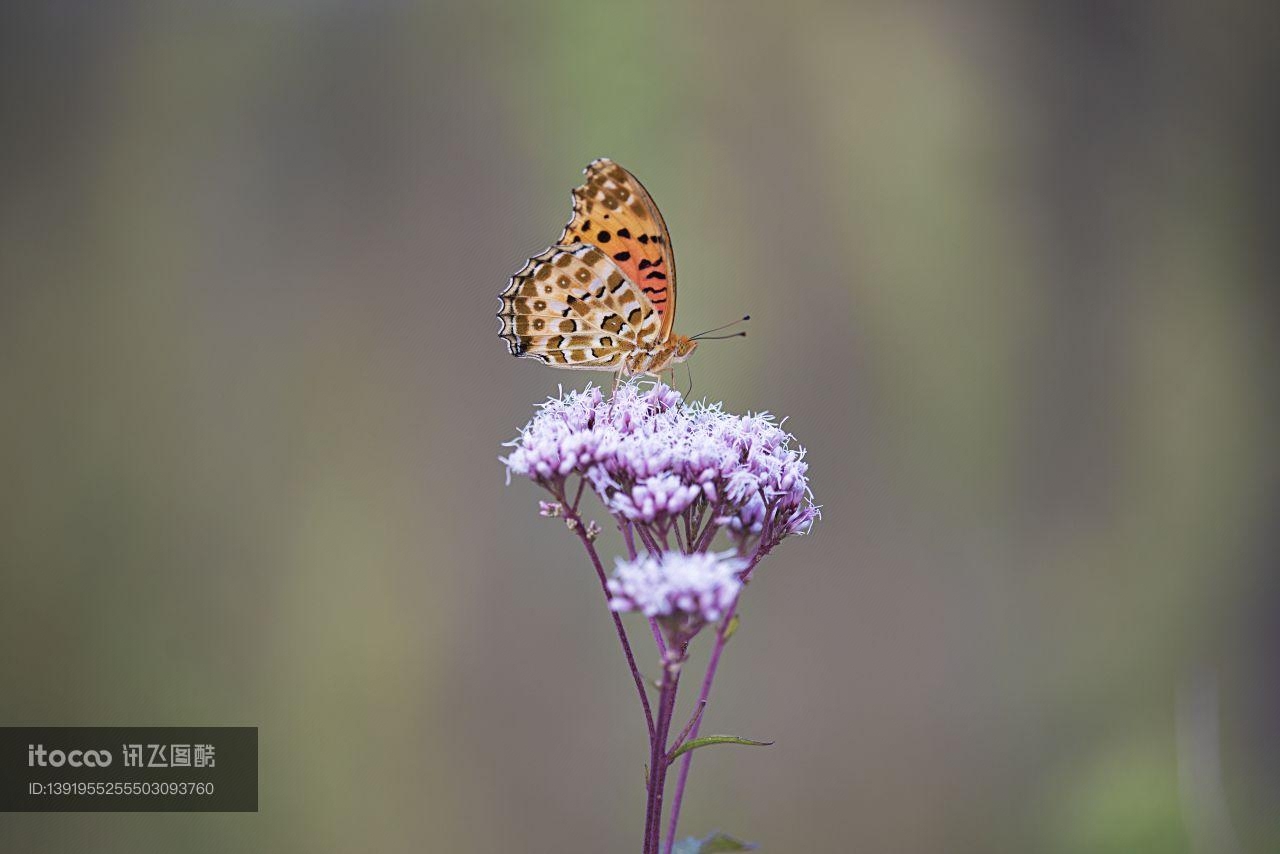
(722, 636)
(688, 728)
(581, 531)
(679, 540)
(657, 636)
(658, 763)
(703, 695)
(649, 542)
(708, 534)
(629, 539)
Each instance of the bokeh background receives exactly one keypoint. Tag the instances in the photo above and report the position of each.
(1010, 266)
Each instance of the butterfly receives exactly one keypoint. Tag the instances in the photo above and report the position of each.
(604, 296)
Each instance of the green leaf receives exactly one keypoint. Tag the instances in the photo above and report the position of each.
(732, 627)
(716, 739)
(716, 842)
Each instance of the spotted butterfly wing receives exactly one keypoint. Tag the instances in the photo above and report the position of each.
(613, 211)
(572, 307)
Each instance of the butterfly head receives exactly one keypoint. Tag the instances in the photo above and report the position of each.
(676, 349)
(683, 347)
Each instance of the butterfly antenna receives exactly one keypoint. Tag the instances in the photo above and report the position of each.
(688, 394)
(743, 319)
(722, 337)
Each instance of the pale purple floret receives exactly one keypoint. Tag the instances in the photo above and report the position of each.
(655, 460)
(702, 586)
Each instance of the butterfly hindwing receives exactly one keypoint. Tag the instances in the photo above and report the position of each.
(613, 211)
(570, 306)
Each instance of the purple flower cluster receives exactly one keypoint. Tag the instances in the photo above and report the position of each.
(672, 475)
(703, 586)
(671, 468)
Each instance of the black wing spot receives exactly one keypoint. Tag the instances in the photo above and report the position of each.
(624, 233)
(644, 238)
(645, 263)
(622, 256)
(603, 237)
(656, 275)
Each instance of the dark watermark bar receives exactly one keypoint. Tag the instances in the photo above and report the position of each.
(128, 769)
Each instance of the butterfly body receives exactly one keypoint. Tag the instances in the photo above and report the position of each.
(603, 297)
(654, 361)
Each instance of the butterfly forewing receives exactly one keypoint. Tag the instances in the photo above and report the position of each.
(571, 306)
(614, 212)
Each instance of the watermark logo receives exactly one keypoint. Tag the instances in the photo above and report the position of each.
(37, 756)
(134, 769)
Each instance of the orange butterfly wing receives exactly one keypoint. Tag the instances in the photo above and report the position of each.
(614, 212)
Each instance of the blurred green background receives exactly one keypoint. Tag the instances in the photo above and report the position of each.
(1010, 266)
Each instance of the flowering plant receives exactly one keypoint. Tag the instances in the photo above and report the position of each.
(672, 475)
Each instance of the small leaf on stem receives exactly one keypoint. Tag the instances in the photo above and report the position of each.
(716, 842)
(706, 740)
